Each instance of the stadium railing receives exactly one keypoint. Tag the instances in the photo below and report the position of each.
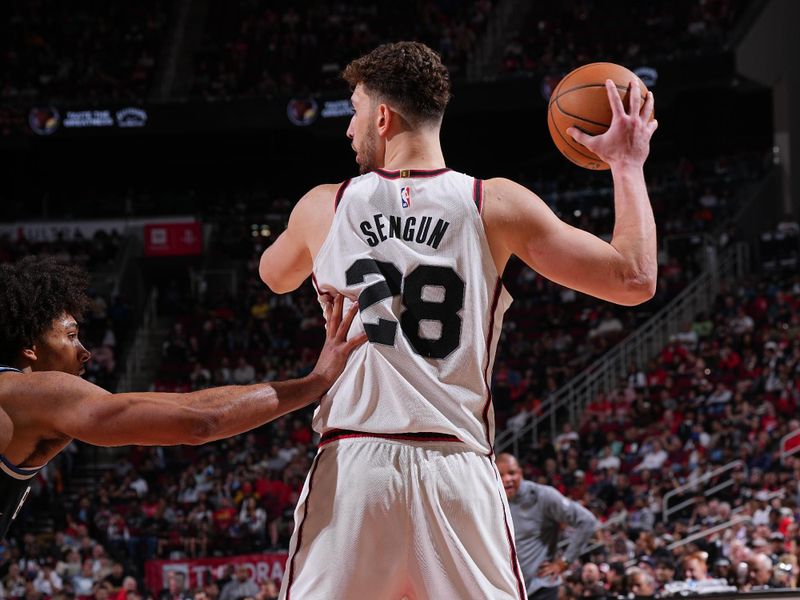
(141, 343)
(667, 510)
(638, 348)
(790, 445)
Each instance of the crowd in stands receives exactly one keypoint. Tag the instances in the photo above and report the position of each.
(255, 49)
(725, 388)
(54, 51)
(557, 37)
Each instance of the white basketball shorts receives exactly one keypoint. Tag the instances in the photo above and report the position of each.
(412, 516)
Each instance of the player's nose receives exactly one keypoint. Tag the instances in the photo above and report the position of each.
(83, 354)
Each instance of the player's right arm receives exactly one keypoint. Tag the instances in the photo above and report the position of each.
(74, 408)
(287, 263)
(623, 270)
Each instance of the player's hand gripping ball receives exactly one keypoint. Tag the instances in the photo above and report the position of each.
(581, 100)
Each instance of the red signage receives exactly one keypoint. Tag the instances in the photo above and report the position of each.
(173, 239)
(199, 570)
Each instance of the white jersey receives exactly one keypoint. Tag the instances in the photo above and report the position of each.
(411, 247)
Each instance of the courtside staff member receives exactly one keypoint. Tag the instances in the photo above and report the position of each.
(538, 512)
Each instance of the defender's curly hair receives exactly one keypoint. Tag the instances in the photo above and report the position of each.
(407, 73)
(33, 293)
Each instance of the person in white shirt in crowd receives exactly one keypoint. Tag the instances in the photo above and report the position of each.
(608, 460)
(567, 438)
(654, 458)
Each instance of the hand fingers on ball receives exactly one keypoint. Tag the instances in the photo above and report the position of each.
(579, 136)
(649, 106)
(635, 95)
(617, 110)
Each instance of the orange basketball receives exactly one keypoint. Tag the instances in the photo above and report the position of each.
(580, 100)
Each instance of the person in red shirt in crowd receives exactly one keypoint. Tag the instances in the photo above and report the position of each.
(301, 433)
(224, 516)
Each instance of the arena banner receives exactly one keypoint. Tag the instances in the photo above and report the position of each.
(72, 230)
(173, 239)
(200, 570)
(325, 113)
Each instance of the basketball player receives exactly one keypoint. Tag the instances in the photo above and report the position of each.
(403, 497)
(47, 404)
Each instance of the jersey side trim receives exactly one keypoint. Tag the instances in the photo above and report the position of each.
(340, 193)
(512, 546)
(300, 530)
(477, 194)
(497, 289)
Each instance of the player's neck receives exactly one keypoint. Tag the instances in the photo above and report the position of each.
(414, 150)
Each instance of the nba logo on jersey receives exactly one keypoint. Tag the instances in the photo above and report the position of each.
(405, 197)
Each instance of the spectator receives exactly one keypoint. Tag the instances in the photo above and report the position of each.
(83, 582)
(244, 373)
(654, 458)
(761, 572)
(592, 584)
(241, 587)
(608, 460)
(641, 583)
(694, 567)
(176, 587)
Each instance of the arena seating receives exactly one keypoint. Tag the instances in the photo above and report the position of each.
(251, 49)
(51, 51)
(556, 38)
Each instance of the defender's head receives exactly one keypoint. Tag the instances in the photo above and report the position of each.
(397, 88)
(41, 301)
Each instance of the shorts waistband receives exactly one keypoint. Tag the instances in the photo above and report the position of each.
(411, 436)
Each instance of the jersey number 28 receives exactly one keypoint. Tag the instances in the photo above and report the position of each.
(416, 308)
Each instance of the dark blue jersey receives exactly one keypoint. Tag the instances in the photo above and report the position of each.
(14, 484)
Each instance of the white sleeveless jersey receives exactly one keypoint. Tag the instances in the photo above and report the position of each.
(411, 247)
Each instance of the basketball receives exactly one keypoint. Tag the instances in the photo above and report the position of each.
(580, 100)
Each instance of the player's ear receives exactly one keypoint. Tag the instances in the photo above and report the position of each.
(384, 118)
(29, 354)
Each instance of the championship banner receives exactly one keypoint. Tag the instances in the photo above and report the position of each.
(198, 571)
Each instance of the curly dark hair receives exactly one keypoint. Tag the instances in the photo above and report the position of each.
(33, 293)
(407, 73)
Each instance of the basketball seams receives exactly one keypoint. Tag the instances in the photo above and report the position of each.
(568, 142)
(584, 119)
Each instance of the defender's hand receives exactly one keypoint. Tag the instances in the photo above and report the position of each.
(337, 347)
(627, 140)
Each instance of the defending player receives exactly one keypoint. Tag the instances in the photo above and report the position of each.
(48, 405)
(403, 498)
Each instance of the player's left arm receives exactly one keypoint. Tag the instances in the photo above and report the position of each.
(622, 271)
(288, 262)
